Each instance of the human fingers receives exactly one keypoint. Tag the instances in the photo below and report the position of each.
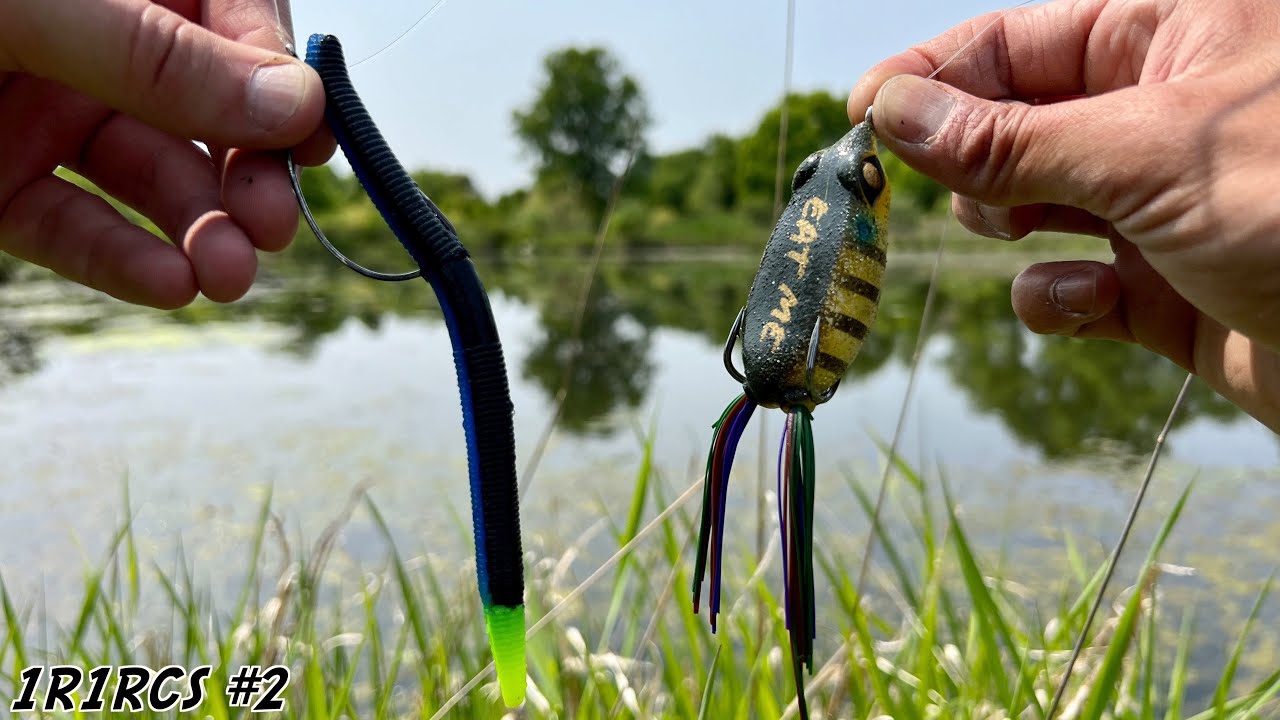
(1015, 223)
(261, 23)
(1024, 53)
(53, 223)
(255, 185)
(257, 192)
(1089, 300)
(1126, 300)
(171, 182)
(150, 62)
(268, 24)
(1109, 155)
(1061, 298)
(315, 150)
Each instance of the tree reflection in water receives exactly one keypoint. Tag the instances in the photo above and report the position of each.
(17, 352)
(1059, 395)
(607, 360)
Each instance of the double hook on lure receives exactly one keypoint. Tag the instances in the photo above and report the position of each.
(433, 243)
(821, 273)
(814, 299)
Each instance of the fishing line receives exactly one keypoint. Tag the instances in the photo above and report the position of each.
(1142, 489)
(284, 21)
(421, 19)
(584, 297)
(921, 338)
(1115, 553)
(789, 60)
(977, 36)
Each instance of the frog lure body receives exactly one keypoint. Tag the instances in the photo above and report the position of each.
(814, 299)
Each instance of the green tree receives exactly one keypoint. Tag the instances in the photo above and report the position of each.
(588, 117)
(814, 121)
(713, 187)
(910, 186)
(326, 191)
(672, 176)
(454, 193)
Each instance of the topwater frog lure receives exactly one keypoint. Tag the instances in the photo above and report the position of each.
(813, 300)
(433, 243)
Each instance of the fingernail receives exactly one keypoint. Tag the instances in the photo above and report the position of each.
(275, 93)
(985, 213)
(912, 109)
(1075, 293)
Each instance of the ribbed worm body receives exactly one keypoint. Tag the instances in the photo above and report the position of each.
(482, 376)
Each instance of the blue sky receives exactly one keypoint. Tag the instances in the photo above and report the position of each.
(443, 95)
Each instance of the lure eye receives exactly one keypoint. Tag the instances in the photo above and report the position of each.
(866, 177)
(807, 168)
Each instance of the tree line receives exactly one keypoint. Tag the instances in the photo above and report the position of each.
(586, 132)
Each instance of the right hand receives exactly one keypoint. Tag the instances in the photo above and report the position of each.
(1153, 124)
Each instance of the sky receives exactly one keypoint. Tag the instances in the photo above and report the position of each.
(444, 93)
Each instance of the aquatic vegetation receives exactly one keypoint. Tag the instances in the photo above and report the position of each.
(937, 634)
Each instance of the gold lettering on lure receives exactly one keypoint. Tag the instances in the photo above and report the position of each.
(806, 232)
(816, 207)
(802, 260)
(775, 331)
(785, 303)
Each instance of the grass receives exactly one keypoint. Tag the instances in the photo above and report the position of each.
(937, 636)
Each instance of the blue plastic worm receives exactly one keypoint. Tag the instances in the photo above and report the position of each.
(482, 377)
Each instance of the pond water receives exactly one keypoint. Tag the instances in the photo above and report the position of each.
(317, 383)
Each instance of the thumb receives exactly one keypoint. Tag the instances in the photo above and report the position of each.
(149, 62)
(1089, 153)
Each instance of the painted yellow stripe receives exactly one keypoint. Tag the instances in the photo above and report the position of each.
(839, 345)
(858, 307)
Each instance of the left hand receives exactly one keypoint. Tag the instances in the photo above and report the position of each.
(116, 91)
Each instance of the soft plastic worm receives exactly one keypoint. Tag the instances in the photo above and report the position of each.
(482, 376)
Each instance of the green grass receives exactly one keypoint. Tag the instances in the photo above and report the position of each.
(938, 636)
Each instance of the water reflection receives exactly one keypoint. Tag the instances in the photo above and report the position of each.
(17, 352)
(601, 359)
(1062, 397)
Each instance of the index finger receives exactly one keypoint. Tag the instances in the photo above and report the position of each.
(1022, 53)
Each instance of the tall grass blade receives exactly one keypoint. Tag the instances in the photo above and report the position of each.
(1229, 672)
(707, 688)
(1104, 685)
(1181, 665)
(1124, 536)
